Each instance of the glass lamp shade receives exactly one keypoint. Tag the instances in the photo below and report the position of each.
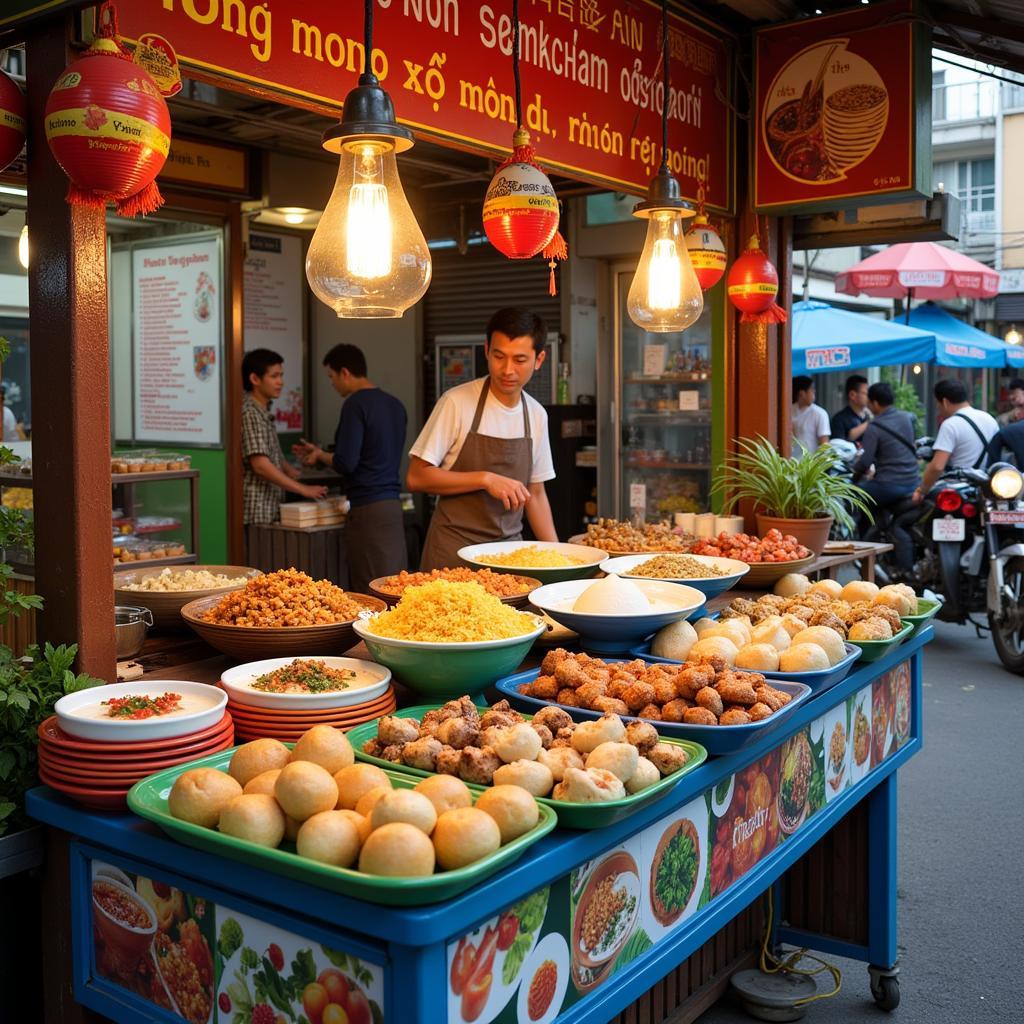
(665, 295)
(368, 257)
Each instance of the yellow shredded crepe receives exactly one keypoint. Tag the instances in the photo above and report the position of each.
(531, 557)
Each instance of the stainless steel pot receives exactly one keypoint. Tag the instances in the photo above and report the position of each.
(130, 626)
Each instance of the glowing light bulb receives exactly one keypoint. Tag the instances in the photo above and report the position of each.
(1013, 336)
(23, 247)
(665, 295)
(369, 217)
(916, 368)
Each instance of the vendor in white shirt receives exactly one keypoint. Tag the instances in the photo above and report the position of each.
(811, 425)
(485, 450)
(963, 437)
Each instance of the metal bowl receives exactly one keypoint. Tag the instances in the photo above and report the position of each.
(130, 627)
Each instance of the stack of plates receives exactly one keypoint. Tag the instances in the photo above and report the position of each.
(288, 724)
(99, 774)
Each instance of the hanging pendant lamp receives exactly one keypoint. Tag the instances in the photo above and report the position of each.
(368, 258)
(665, 295)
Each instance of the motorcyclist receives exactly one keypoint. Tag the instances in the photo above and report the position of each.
(963, 437)
(888, 445)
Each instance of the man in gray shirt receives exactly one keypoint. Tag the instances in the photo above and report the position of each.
(888, 445)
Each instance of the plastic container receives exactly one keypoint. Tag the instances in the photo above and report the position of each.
(570, 815)
(926, 611)
(148, 799)
(872, 650)
(716, 739)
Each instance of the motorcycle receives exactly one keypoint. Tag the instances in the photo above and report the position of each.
(842, 466)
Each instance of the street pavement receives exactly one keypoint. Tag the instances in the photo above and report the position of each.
(961, 854)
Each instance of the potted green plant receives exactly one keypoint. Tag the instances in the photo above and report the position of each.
(802, 496)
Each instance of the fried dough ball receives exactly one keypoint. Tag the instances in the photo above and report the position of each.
(897, 600)
(700, 716)
(618, 758)
(710, 698)
(543, 687)
(404, 805)
(674, 641)
(735, 629)
(458, 733)
(553, 659)
(445, 792)
(264, 782)
(792, 624)
(478, 765)
(770, 631)
(667, 758)
(770, 697)
(637, 695)
(652, 711)
(392, 729)
(591, 691)
(859, 590)
(326, 746)
(514, 811)
(871, 629)
(558, 759)
(393, 753)
(830, 588)
(589, 786)
(463, 836)
(374, 748)
(693, 678)
(422, 753)
(305, 788)
(500, 714)
(554, 718)
(516, 743)
(329, 837)
(369, 799)
(793, 584)
(829, 619)
(714, 645)
(665, 690)
(760, 657)
(646, 774)
(702, 625)
(255, 817)
(827, 639)
(568, 698)
(735, 689)
(357, 779)
(610, 706)
(759, 711)
(803, 658)
(533, 776)
(642, 735)
(675, 710)
(735, 716)
(200, 794)
(588, 735)
(255, 758)
(448, 761)
(398, 850)
(543, 732)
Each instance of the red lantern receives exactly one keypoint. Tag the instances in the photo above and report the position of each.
(753, 284)
(707, 252)
(108, 127)
(12, 120)
(521, 208)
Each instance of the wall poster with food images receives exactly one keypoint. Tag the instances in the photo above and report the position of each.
(155, 941)
(890, 712)
(271, 976)
(843, 108)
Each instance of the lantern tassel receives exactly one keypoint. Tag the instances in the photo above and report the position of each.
(556, 249)
(774, 314)
(145, 201)
(84, 197)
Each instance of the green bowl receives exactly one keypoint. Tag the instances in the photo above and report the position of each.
(444, 671)
(570, 815)
(872, 650)
(926, 611)
(590, 566)
(148, 799)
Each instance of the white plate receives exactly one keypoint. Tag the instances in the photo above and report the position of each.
(81, 714)
(587, 555)
(625, 564)
(238, 682)
(551, 947)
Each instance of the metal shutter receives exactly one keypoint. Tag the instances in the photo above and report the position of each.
(1010, 306)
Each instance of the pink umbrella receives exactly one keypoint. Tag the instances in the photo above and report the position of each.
(919, 270)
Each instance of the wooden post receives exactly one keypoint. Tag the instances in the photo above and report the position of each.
(70, 370)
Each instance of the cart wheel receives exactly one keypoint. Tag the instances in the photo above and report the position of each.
(886, 992)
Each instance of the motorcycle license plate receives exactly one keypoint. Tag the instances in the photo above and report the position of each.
(1005, 515)
(948, 528)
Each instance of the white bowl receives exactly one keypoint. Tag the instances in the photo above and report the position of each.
(615, 632)
(590, 559)
(81, 714)
(709, 586)
(237, 681)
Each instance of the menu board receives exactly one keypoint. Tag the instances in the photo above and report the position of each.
(274, 288)
(177, 326)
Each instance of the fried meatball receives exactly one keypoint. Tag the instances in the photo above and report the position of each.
(741, 606)
(448, 761)
(373, 747)
(735, 690)
(422, 753)
(768, 696)
(570, 675)
(589, 692)
(553, 659)
(543, 687)
(642, 735)
(664, 691)
(802, 612)
(708, 697)
(693, 678)
(759, 711)
(667, 758)
(568, 697)
(638, 695)
(735, 716)
(675, 710)
(699, 716)
(392, 729)
(652, 711)
(617, 688)
(501, 714)
(871, 629)
(459, 733)
(393, 753)
(830, 619)
(478, 765)
(554, 718)
(543, 732)
(713, 661)
(610, 704)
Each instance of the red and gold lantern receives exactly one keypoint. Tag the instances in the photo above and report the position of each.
(753, 284)
(108, 127)
(707, 252)
(12, 120)
(520, 208)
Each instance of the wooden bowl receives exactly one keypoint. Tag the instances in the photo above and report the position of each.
(166, 605)
(515, 601)
(253, 643)
(764, 574)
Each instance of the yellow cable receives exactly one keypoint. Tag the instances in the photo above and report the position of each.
(770, 964)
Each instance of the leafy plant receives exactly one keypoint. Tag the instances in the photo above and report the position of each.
(803, 487)
(29, 686)
(905, 396)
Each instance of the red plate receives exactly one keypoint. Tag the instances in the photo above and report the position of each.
(306, 723)
(75, 790)
(113, 774)
(50, 733)
(153, 762)
(310, 715)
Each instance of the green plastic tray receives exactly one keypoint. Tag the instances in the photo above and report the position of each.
(922, 618)
(872, 650)
(148, 799)
(570, 815)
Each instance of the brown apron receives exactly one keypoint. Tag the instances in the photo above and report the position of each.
(477, 518)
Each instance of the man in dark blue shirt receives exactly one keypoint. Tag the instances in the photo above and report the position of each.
(852, 420)
(1011, 436)
(368, 449)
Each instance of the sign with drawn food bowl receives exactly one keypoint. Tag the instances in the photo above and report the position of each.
(843, 110)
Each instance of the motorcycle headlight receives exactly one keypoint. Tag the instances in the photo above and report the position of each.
(1005, 482)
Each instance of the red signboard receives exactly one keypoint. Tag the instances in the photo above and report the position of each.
(591, 87)
(842, 110)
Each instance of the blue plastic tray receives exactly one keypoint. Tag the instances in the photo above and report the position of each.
(716, 739)
(817, 681)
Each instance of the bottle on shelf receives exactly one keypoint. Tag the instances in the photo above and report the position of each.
(562, 387)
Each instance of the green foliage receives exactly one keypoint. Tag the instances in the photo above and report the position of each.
(230, 939)
(905, 397)
(790, 488)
